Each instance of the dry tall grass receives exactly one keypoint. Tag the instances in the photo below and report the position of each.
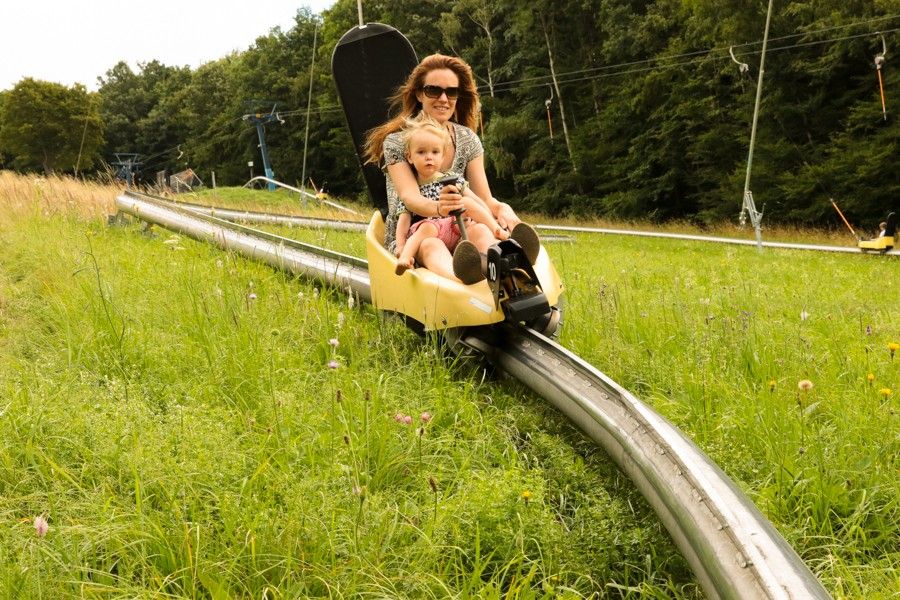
(22, 195)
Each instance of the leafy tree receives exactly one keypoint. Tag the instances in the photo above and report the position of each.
(48, 126)
(137, 108)
(649, 115)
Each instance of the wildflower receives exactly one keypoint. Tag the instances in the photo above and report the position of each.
(868, 330)
(526, 496)
(433, 484)
(885, 392)
(772, 384)
(333, 364)
(316, 293)
(359, 490)
(351, 301)
(893, 347)
(870, 378)
(398, 417)
(251, 296)
(407, 420)
(425, 416)
(804, 315)
(804, 385)
(340, 320)
(420, 431)
(41, 527)
(333, 342)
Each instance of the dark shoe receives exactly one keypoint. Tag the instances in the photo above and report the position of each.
(527, 238)
(467, 263)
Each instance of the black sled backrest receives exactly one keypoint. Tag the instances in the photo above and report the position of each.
(369, 64)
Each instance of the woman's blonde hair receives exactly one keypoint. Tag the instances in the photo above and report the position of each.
(468, 104)
(423, 122)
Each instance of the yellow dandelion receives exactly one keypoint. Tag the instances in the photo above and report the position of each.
(772, 384)
(870, 378)
(526, 496)
(804, 385)
(885, 392)
(893, 347)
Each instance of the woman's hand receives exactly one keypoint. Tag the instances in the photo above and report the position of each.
(450, 200)
(505, 216)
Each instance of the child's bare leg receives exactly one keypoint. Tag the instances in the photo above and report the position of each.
(481, 236)
(435, 256)
(406, 259)
(476, 211)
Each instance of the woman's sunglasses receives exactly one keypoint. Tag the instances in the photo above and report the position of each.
(435, 91)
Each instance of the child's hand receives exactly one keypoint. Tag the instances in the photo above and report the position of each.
(501, 233)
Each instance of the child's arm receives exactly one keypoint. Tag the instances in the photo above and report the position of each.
(476, 210)
(403, 223)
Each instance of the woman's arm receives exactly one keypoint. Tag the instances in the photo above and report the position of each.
(502, 211)
(408, 191)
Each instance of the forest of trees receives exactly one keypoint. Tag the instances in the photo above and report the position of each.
(648, 115)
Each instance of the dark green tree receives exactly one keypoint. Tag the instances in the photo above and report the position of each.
(51, 127)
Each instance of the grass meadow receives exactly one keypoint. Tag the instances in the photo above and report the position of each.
(179, 422)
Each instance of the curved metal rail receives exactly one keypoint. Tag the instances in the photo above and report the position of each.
(340, 270)
(733, 549)
(301, 192)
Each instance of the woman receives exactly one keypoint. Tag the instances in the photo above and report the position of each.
(443, 87)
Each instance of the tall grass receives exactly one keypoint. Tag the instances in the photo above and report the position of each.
(170, 410)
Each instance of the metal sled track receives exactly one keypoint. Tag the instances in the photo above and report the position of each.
(734, 550)
(248, 216)
(707, 238)
(251, 216)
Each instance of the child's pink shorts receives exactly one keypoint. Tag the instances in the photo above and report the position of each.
(448, 231)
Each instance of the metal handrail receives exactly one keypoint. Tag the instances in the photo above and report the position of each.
(301, 192)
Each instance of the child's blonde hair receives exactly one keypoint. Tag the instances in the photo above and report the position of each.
(423, 122)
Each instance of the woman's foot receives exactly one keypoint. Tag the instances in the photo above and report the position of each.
(467, 263)
(527, 237)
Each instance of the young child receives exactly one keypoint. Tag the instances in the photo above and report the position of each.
(425, 143)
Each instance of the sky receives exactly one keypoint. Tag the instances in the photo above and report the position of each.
(68, 42)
